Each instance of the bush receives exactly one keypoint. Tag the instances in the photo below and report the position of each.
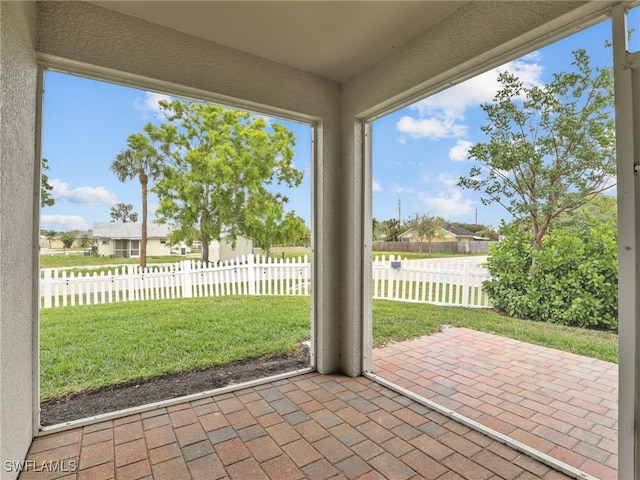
(509, 263)
(571, 280)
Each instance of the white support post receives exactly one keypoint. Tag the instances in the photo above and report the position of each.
(251, 274)
(627, 93)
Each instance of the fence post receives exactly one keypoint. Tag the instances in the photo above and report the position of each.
(47, 281)
(251, 274)
(390, 278)
(132, 294)
(187, 283)
(466, 280)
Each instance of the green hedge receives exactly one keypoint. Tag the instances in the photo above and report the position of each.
(571, 280)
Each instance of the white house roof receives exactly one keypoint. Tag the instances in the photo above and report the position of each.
(129, 230)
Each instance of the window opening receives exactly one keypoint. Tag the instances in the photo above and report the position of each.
(550, 386)
(222, 300)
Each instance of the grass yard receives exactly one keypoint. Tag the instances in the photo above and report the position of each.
(60, 260)
(93, 346)
(78, 259)
(395, 321)
(424, 255)
(98, 345)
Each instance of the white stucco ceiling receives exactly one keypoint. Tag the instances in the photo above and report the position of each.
(333, 39)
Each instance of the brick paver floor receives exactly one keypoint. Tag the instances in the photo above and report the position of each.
(309, 426)
(562, 404)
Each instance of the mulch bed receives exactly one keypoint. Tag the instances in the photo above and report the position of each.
(136, 393)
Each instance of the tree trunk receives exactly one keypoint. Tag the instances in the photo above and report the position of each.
(205, 252)
(144, 181)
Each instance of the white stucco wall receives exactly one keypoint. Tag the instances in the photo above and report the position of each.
(18, 256)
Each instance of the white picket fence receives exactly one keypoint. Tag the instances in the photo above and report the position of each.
(457, 283)
(246, 275)
(443, 283)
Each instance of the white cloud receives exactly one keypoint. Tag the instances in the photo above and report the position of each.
(447, 204)
(63, 223)
(447, 180)
(460, 152)
(84, 195)
(432, 128)
(376, 186)
(149, 105)
(397, 189)
(440, 115)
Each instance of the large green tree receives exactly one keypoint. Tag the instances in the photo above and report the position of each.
(143, 161)
(272, 228)
(550, 148)
(223, 169)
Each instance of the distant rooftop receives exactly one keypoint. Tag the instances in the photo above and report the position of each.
(129, 230)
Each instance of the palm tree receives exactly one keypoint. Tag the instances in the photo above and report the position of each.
(140, 160)
(124, 212)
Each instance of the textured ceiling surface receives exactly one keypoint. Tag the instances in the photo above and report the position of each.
(333, 39)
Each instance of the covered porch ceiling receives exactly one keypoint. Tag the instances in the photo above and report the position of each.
(331, 39)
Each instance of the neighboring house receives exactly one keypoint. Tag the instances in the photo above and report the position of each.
(449, 233)
(459, 234)
(123, 239)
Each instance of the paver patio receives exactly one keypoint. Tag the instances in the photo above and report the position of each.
(562, 404)
(318, 426)
(309, 426)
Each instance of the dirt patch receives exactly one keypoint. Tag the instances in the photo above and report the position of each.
(133, 394)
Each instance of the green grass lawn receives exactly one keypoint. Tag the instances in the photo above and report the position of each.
(60, 260)
(78, 259)
(93, 346)
(97, 345)
(425, 255)
(395, 321)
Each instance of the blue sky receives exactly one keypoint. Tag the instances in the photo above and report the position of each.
(419, 152)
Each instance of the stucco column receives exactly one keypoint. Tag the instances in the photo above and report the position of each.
(18, 249)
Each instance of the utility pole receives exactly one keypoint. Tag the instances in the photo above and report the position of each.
(399, 213)
(476, 216)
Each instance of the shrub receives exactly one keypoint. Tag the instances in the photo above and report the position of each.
(509, 263)
(571, 280)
